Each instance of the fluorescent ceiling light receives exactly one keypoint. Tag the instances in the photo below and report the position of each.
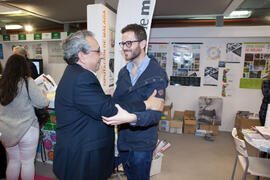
(233, 15)
(16, 26)
(239, 14)
(12, 12)
(28, 28)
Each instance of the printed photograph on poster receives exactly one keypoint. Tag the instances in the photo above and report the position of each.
(221, 64)
(210, 110)
(213, 53)
(256, 60)
(210, 76)
(186, 58)
(233, 52)
(160, 52)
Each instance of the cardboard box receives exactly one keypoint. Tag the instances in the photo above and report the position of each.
(176, 126)
(167, 111)
(190, 122)
(189, 115)
(156, 166)
(164, 125)
(243, 122)
(209, 128)
(189, 129)
(178, 115)
(176, 130)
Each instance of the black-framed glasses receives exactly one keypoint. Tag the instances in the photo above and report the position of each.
(128, 43)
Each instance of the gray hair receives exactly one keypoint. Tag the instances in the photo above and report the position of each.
(74, 44)
(20, 51)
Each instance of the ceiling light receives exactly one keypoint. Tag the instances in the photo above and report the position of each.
(12, 12)
(16, 26)
(28, 28)
(239, 14)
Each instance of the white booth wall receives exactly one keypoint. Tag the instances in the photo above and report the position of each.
(187, 97)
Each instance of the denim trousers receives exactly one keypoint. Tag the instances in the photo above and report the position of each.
(136, 164)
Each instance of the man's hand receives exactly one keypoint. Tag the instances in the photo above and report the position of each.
(121, 117)
(154, 103)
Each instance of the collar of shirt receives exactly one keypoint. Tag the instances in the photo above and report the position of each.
(93, 72)
(141, 68)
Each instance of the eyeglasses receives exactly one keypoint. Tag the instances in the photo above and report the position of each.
(128, 43)
(97, 51)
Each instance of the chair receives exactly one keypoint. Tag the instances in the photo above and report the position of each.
(256, 166)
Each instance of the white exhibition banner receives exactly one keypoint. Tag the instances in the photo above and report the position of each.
(130, 12)
(101, 21)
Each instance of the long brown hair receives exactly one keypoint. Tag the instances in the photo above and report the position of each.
(16, 68)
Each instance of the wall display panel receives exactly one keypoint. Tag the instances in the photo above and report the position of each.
(256, 64)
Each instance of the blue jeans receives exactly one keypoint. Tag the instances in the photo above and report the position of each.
(136, 164)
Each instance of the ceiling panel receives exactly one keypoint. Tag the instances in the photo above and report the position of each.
(57, 12)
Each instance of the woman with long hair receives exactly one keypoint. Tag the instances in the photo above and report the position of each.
(18, 122)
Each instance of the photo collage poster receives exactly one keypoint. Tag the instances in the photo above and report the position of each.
(160, 52)
(256, 61)
(186, 64)
(256, 64)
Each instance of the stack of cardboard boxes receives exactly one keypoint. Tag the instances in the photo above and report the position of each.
(169, 124)
(189, 122)
(176, 124)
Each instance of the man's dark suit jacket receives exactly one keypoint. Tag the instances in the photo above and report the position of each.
(84, 144)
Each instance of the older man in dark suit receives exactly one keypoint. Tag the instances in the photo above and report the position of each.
(84, 144)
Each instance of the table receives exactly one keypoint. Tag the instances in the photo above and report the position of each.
(256, 140)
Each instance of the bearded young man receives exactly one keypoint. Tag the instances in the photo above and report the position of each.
(136, 81)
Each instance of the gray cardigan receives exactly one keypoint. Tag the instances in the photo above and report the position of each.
(18, 116)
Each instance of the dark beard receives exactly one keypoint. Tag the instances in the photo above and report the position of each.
(134, 54)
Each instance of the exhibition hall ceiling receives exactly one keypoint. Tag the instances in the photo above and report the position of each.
(51, 13)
